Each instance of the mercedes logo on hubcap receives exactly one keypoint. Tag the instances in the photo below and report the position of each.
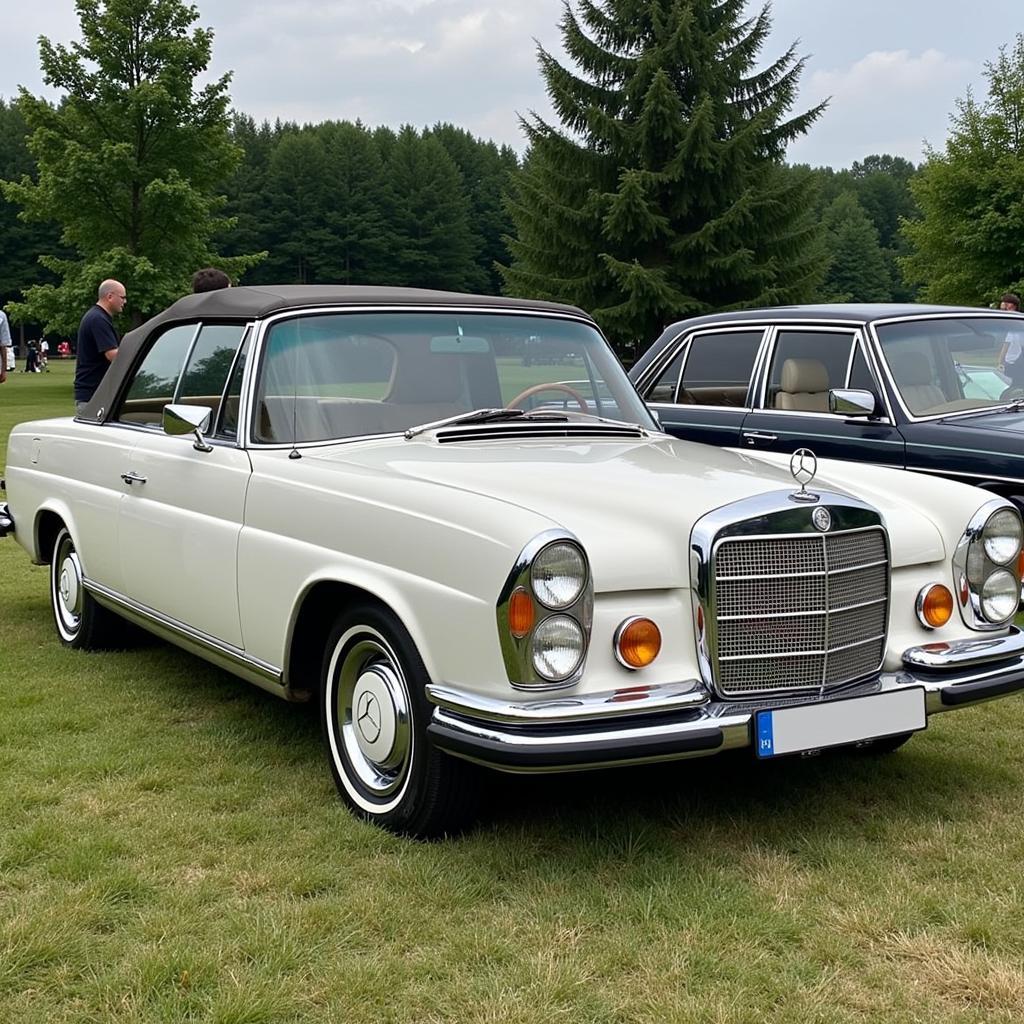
(368, 717)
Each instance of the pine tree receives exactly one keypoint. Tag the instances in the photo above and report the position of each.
(664, 194)
(130, 161)
(857, 270)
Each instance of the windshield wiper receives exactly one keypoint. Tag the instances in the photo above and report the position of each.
(487, 416)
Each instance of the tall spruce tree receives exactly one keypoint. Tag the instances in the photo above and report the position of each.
(130, 161)
(664, 193)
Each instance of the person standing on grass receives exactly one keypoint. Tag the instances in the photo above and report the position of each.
(97, 341)
(5, 344)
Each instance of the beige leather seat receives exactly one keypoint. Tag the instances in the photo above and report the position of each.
(913, 376)
(803, 387)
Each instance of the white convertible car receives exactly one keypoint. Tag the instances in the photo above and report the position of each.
(450, 520)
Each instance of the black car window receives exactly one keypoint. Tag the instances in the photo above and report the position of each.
(718, 368)
(664, 389)
(860, 373)
(156, 379)
(805, 365)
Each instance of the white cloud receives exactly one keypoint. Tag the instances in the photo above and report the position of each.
(888, 101)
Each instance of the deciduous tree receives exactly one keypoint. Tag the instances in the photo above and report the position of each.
(129, 161)
(968, 245)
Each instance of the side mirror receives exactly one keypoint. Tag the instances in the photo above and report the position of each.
(188, 419)
(851, 402)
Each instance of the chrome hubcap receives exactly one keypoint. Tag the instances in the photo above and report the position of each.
(373, 711)
(68, 591)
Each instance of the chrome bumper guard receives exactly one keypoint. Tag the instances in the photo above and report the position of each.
(6, 520)
(640, 724)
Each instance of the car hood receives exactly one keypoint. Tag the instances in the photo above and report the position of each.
(633, 503)
(998, 421)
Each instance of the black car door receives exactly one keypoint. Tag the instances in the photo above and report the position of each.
(790, 406)
(703, 392)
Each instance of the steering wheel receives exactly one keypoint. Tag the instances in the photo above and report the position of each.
(536, 389)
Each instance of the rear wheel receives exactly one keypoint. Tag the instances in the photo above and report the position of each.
(374, 713)
(81, 622)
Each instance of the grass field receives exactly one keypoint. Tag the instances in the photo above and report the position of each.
(171, 850)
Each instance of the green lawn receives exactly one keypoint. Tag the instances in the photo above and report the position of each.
(171, 849)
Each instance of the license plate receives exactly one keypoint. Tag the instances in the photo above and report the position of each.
(812, 726)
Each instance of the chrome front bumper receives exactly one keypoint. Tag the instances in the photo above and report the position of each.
(639, 724)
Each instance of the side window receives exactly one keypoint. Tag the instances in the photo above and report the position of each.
(156, 379)
(664, 389)
(805, 365)
(718, 368)
(860, 374)
(227, 424)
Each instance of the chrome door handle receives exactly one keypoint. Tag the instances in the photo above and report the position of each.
(751, 436)
(133, 478)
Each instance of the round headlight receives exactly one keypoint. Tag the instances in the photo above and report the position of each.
(1002, 536)
(559, 575)
(557, 647)
(1000, 596)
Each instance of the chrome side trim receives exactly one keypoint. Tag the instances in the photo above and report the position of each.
(965, 653)
(626, 700)
(231, 659)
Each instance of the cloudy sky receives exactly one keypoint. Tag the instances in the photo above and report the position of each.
(893, 68)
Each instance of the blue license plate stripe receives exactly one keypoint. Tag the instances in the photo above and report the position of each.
(765, 734)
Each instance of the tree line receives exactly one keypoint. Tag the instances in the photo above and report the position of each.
(660, 190)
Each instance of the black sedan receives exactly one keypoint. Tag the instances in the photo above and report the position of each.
(937, 389)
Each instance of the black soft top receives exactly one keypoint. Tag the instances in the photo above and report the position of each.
(243, 304)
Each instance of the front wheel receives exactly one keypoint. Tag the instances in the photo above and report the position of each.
(374, 714)
(81, 622)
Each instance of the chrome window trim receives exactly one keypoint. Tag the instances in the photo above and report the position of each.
(264, 324)
(986, 314)
(247, 330)
(858, 341)
(650, 377)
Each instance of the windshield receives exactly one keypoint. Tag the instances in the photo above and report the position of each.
(945, 366)
(332, 376)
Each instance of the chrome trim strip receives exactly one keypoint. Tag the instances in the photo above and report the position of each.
(184, 362)
(965, 653)
(233, 659)
(585, 707)
(498, 742)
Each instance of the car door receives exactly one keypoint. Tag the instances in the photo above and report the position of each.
(180, 525)
(791, 407)
(702, 394)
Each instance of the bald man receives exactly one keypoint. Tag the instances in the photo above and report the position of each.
(97, 341)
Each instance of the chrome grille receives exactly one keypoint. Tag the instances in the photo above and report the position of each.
(799, 612)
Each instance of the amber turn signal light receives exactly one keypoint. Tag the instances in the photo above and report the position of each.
(934, 605)
(521, 613)
(637, 643)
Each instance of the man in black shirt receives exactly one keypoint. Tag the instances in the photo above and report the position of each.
(97, 341)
